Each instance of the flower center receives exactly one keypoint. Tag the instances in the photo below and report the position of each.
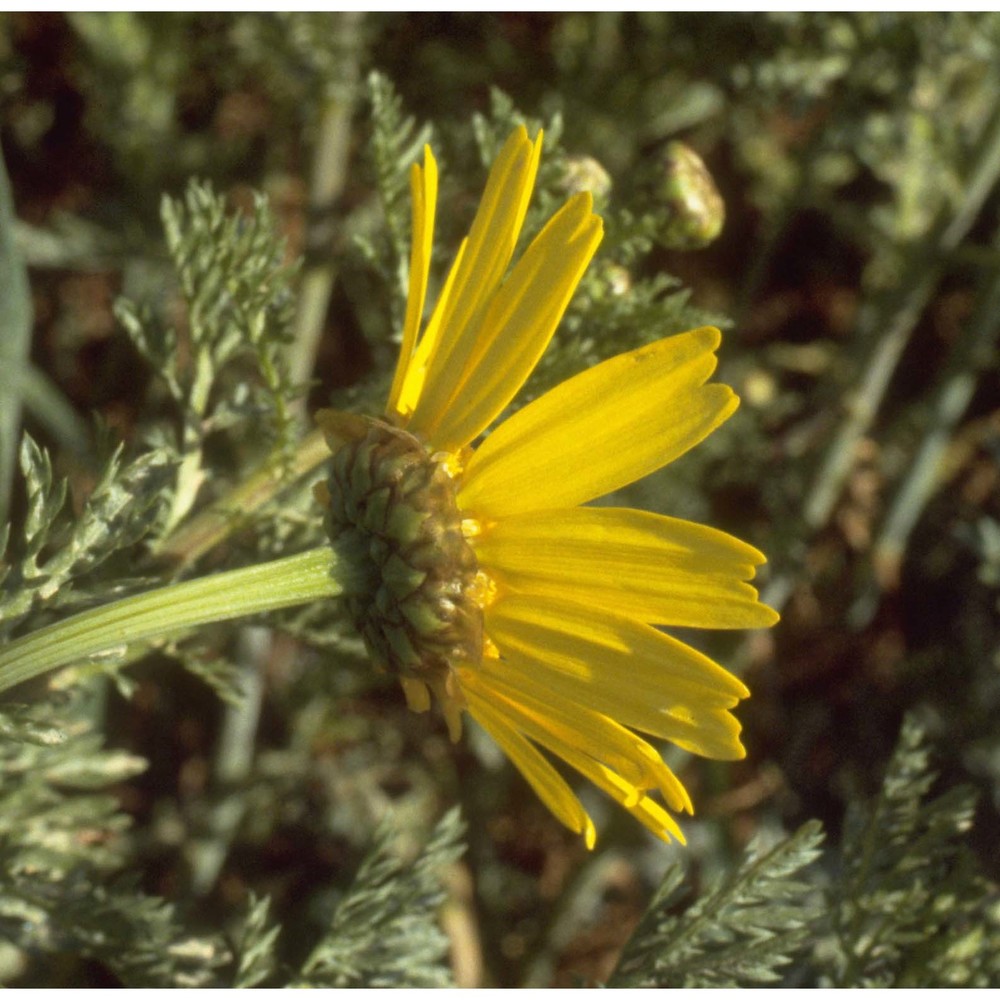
(393, 516)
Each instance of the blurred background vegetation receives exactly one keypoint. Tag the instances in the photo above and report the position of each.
(857, 281)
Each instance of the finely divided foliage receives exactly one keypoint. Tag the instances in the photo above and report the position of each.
(907, 908)
(743, 931)
(383, 933)
(64, 886)
(56, 552)
(899, 903)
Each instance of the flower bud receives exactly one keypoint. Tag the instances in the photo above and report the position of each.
(392, 515)
(584, 173)
(697, 211)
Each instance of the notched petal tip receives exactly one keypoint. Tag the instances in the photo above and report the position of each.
(645, 566)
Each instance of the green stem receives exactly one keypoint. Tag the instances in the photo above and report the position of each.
(16, 320)
(233, 759)
(235, 509)
(329, 177)
(970, 358)
(298, 579)
(889, 331)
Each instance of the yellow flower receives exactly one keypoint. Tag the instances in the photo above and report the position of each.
(491, 586)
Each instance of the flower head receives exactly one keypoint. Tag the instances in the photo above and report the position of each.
(488, 584)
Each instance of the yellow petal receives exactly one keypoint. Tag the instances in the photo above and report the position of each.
(646, 566)
(701, 728)
(586, 642)
(648, 811)
(568, 730)
(478, 273)
(485, 698)
(617, 674)
(423, 188)
(416, 371)
(516, 326)
(600, 430)
(657, 820)
(540, 774)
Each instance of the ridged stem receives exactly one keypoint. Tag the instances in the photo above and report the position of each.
(298, 579)
(233, 511)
